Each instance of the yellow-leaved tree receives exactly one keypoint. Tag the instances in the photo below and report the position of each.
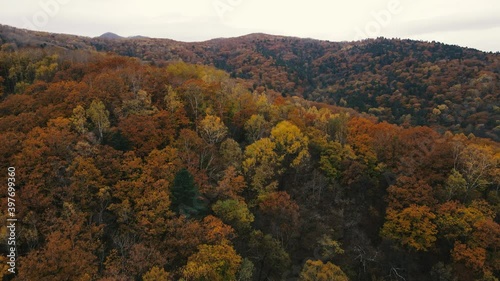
(155, 274)
(291, 144)
(319, 271)
(412, 227)
(213, 262)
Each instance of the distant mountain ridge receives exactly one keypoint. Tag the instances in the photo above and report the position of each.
(110, 35)
(401, 81)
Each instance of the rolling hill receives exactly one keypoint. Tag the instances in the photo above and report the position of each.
(400, 81)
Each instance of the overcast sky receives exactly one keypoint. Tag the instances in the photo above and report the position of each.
(474, 24)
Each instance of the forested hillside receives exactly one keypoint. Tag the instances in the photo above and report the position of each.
(399, 81)
(134, 171)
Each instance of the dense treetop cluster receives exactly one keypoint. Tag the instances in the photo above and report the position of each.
(135, 171)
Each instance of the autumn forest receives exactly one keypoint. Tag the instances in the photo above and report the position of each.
(252, 158)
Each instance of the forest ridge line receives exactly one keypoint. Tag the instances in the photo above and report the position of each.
(410, 82)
